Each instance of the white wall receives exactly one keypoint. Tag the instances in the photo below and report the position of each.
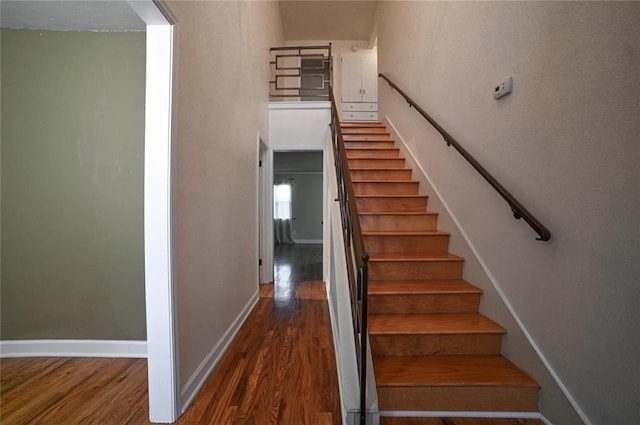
(338, 47)
(221, 95)
(566, 143)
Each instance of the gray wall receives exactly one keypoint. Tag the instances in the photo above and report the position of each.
(566, 143)
(72, 181)
(305, 168)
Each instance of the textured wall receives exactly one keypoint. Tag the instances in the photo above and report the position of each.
(566, 143)
(72, 164)
(222, 75)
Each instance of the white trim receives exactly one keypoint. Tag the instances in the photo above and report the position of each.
(72, 348)
(457, 414)
(495, 283)
(297, 148)
(202, 372)
(162, 347)
(308, 241)
(274, 106)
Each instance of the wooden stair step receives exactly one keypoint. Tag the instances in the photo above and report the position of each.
(380, 174)
(356, 138)
(370, 144)
(434, 334)
(414, 267)
(382, 203)
(350, 124)
(411, 242)
(376, 163)
(378, 187)
(398, 221)
(452, 383)
(365, 130)
(443, 323)
(423, 296)
(372, 152)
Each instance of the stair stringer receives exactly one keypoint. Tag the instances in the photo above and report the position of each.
(338, 294)
(517, 344)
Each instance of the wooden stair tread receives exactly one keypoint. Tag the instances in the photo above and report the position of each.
(399, 213)
(439, 323)
(371, 148)
(414, 257)
(421, 287)
(361, 124)
(383, 181)
(404, 233)
(352, 168)
(448, 371)
(391, 196)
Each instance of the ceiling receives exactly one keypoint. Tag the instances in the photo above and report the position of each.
(301, 19)
(328, 20)
(85, 15)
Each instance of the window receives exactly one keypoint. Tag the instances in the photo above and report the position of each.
(282, 201)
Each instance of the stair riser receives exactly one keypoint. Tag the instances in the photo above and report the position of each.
(414, 270)
(392, 204)
(360, 124)
(367, 137)
(376, 163)
(372, 153)
(364, 131)
(398, 223)
(472, 398)
(399, 174)
(420, 303)
(428, 345)
(414, 244)
(369, 144)
(386, 188)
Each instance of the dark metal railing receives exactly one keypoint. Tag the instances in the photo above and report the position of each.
(519, 211)
(356, 255)
(301, 73)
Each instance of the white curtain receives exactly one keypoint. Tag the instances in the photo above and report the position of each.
(283, 228)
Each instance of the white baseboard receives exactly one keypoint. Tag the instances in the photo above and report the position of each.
(199, 377)
(458, 414)
(72, 348)
(304, 241)
(496, 285)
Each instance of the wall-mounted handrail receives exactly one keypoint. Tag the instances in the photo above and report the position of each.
(356, 255)
(519, 211)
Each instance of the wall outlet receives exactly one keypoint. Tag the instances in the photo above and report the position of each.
(504, 88)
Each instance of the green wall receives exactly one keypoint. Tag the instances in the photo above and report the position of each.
(72, 185)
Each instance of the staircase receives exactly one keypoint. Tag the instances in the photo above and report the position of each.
(432, 350)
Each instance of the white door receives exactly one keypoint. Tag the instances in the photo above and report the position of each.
(351, 78)
(369, 77)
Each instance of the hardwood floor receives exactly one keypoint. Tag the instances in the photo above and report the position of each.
(280, 369)
(73, 391)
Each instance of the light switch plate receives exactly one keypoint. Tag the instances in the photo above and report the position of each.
(504, 88)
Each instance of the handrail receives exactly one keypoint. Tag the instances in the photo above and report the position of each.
(357, 257)
(519, 211)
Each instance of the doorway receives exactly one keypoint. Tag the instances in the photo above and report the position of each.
(298, 219)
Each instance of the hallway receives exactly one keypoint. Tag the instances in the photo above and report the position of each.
(280, 368)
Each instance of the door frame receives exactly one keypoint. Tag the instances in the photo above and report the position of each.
(160, 299)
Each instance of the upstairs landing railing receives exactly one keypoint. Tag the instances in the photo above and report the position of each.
(300, 73)
(519, 211)
(356, 255)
